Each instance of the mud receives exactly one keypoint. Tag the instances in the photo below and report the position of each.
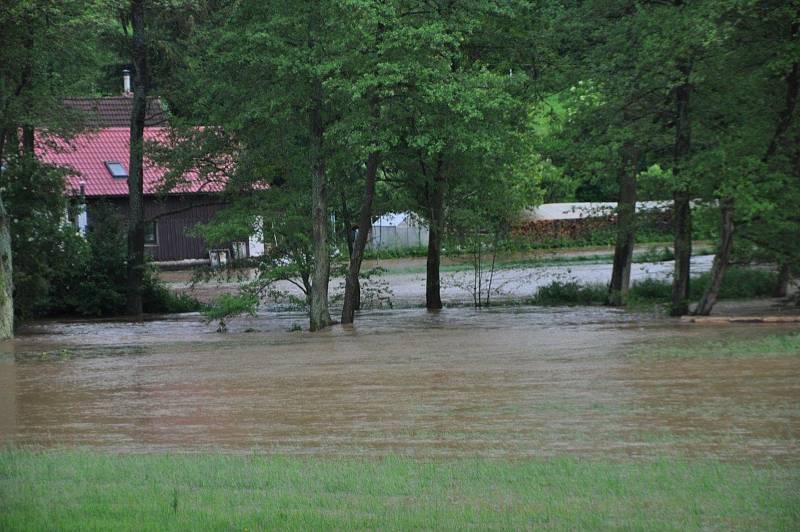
(507, 382)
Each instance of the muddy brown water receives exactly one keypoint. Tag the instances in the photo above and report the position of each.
(520, 382)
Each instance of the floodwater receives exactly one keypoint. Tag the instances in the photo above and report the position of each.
(512, 382)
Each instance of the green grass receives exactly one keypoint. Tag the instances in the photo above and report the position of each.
(84, 490)
(767, 346)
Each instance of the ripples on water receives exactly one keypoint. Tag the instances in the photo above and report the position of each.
(524, 381)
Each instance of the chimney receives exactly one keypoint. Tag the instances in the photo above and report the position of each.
(126, 82)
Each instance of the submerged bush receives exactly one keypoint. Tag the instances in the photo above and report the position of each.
(650, 290)
(228, 306)
(570, 293)
(739, 283)
(158, 299)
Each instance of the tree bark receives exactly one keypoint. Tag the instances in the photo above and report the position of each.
(320, 317)
(352, 287)
(135, 266)
(784, 276)
(433, 293)
(626, 232)
(682, 212)
(6, 277)
(6, 270)
(721, 260)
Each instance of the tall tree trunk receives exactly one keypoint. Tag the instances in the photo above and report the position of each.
(433, 292)
(682, 212)
(6, 277)
(135, 266)
(721, 260)
(626, 231)
(352, 288)
(320, 316)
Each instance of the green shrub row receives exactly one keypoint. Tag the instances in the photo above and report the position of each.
(739, 283)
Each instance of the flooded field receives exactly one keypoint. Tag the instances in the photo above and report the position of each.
(524, 382)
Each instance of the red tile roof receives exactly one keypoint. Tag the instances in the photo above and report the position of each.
(115, 111)
(86, 154)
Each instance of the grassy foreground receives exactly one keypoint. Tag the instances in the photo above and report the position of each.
(72, 490)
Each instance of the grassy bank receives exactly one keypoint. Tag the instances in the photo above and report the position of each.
(74, 490)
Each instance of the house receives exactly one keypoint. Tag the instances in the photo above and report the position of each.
(97, 160)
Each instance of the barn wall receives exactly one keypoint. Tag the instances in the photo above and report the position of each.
(175, 216)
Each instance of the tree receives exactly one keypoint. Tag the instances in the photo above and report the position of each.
(461, 115)
(49, 51)
(141, 83)
(753, 180)
(287, 84)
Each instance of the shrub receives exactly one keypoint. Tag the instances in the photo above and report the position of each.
(650, 290)
(570, 293)
(395, 253)
(739, 283)
(58, 271)
(227, 306)
(158, 299)
(48, 256)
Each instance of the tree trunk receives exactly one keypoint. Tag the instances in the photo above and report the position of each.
(320, 316)
(352, 288)
(135, 266)
(784, 276)
(433, 295)
(721, 260)
(682, 213)
(28, 140)
(683, 254)
(626, 233)
(6, 277)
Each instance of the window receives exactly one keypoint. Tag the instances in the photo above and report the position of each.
(116, 169)
(151, 233)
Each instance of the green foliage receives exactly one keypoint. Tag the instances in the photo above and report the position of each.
(158, 299)
(48, 255)
(57, 271)
(739, 283)
(227, 306)
(570, 293)
(101, 291)
(395, 253)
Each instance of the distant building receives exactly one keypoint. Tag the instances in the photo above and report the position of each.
(398, 230)
(571, 221)
(98, 161)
